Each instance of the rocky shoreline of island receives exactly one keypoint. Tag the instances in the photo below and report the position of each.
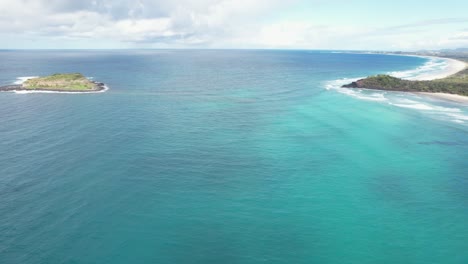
(56, 83)
(99, 87)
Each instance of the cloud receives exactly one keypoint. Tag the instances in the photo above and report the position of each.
(208, 23)
(460, 36)
(430, 23)
(140, 21)
(303, 34)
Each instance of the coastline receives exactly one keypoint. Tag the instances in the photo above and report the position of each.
(18, 88)
(454, 66)
(446, 97)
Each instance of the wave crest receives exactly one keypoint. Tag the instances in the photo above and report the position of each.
(21, 80)
(431, 107)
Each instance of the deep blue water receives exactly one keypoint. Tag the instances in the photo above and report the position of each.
(225, 156)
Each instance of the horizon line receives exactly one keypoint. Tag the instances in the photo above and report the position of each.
(258, 49)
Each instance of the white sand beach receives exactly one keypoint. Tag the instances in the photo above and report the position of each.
(447, 97)
(453, 67)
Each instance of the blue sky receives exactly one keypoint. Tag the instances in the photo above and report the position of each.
(294, 24)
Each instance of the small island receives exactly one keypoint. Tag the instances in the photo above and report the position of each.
(59, 82)
(456, 84)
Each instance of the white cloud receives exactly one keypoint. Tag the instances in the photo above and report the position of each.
(210, 23)
(461, 36)
(284, 34)
(147, 21)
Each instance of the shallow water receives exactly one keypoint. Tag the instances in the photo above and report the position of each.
(229, 156)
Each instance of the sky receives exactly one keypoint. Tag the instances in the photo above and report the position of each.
(234, 24)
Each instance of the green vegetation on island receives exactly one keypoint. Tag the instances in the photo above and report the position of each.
(454, 84)
(61, 82)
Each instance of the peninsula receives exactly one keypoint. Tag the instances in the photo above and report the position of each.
(456, 84)
(59, 82)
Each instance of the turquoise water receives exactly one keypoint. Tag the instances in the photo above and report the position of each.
(229, 157)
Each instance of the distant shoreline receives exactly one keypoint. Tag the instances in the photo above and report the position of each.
(453, 68)
(446, 97)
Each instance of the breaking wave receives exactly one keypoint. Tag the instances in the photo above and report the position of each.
(56, 92)
(431, 68)
(434, 108)
(21, 80)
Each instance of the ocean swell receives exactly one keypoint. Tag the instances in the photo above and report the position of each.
(429, 70)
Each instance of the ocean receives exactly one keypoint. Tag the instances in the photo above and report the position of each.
(229, 156)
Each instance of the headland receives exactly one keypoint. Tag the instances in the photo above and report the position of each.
(451, 83)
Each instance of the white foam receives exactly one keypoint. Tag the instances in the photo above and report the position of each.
(362, 94)
(407, 103)
(434, 68)
(57, 92)
(21, 80)
(439, 110)
(432, 110)
(371, 97)
(335, 84)
(434, 65)
(459, 116)
(414, 106)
